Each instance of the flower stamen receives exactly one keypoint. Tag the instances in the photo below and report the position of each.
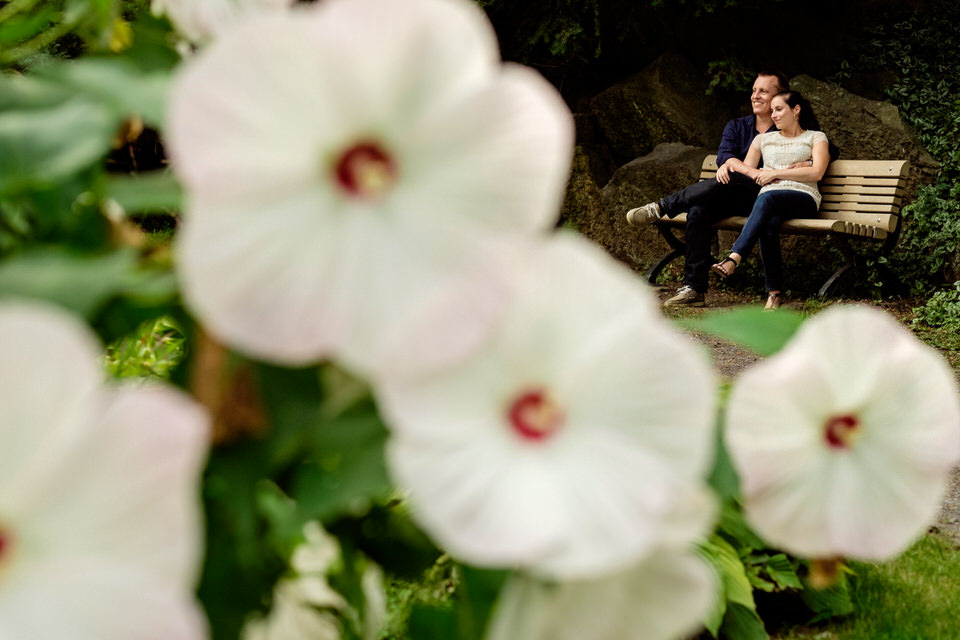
(535, 415)
(842, 432)
(365, 171)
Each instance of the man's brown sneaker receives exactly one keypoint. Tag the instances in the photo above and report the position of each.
(685, 296)
(642, 216)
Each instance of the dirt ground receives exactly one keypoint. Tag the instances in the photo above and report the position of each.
(730, 359)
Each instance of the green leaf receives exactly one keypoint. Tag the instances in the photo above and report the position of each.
(113, 83)
(760, 331)
(742, 623)
(155, 192)
(735, 587)
(829, 602)
(723, 476)
(733, 525)
(726, 561)
(41, 145)
(781, 571)
(467, 619)
(347, 471)
(476, 595)
(81, 283)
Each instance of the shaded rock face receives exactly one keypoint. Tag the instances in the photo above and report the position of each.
(666, 102)
(582, 207)
(669, 167)
(867, 129)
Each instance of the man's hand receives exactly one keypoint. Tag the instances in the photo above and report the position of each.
(803, 164)
(723, 174)
(765, 177)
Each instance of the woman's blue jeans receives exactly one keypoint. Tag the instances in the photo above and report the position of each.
(763, 226)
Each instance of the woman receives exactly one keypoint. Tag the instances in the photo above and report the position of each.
(786, 192)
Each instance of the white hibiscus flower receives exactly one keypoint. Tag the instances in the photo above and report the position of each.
(100, 531)
(565, 442)
(844, 440)
(666, 596)
(354, 172)
(200, 20)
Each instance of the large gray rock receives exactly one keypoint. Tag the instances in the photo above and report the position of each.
(867, 129)
(666, 102)
(669, 167)
(582, 207)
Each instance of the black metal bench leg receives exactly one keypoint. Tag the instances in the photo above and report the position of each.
(677, 249)
(850, 265)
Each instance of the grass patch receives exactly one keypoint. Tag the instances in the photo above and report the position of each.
(915, 596)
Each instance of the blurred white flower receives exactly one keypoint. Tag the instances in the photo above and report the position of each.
(563, 444)
(844, 440)
(354, 171)
(666, 596)
(100, 529)
(200, 20)
(306, 607)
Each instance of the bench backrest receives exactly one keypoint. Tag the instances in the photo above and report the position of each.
(865, 194)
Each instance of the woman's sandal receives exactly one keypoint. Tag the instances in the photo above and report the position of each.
(721, 271)
(773, 301)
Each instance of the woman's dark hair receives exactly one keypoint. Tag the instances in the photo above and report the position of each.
(806, 119)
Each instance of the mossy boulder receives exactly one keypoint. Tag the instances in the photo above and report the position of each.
(666, 102)
(669, 167)
(867, 129)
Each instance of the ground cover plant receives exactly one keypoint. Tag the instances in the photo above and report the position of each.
(292, 349)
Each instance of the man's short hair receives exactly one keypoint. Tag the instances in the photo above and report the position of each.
(782, 80)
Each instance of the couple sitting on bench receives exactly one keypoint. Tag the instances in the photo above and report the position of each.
(769, 164)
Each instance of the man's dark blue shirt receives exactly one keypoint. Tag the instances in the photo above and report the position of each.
(736, 139)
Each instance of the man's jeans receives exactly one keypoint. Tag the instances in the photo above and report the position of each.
(706, 202)
(769, 211)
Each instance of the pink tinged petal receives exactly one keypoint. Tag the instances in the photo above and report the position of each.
(274, 102)
(263, 282)
(84, 599)
(128, 495)
(842, 451)
(663, 597)
(502, 511)
(49, 370)
(507, 148)
(425, 302)
(246, 116)
(606, 477)
(617, 496)
(651, 385)
(394, 62)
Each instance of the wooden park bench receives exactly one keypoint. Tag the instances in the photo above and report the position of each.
(861, 202)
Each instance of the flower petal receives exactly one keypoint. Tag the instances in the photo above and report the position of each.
(867, 498)
(85, 599)
(663, 597)
(596, 492)
(128, 494)
(49, 370)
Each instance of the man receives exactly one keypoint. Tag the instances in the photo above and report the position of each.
(731, 194)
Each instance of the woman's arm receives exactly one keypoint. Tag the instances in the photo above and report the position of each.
(747, 167)
(821, 158)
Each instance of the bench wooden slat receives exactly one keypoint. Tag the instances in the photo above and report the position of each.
(887, 222)
(860, 180)
(852, 188)
(875, 208)
(830, 198)
(870, 168)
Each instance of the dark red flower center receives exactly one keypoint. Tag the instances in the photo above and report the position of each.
(841, 432)
(535, 415)
(365, 170)
(4, 543)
